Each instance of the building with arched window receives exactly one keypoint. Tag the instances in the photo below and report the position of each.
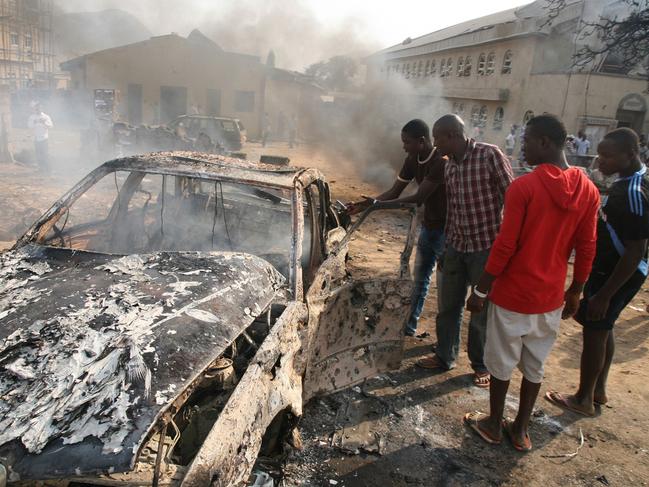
(515, 63)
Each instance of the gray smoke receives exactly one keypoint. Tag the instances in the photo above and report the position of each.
(290, 28)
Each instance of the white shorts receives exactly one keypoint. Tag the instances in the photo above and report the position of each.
(517, 339)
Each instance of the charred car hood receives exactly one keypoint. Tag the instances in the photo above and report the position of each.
(94, 347)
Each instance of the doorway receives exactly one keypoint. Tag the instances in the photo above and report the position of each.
(173, 102)
(134, 104)
(631, 112)
(214, 102)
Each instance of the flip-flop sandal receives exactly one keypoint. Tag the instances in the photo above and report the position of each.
(471, 420)
(526, 447)
(558, 400)
(481, 380)
(430, 363)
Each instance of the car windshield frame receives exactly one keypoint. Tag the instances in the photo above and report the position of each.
(41, 228)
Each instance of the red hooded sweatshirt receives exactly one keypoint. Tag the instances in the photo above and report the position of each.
(548, 213)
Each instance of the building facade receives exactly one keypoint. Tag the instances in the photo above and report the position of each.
(500, 70)
(166, 76)
(26, 52)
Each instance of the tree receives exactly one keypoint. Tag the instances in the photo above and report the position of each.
(336, 74)
(622, 39)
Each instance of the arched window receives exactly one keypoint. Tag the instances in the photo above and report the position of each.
(529, 115)
(420, 68)
(482, 63)
(442, 68)
(491, 63)
(433, 68)
(482, 118)
(507, 62)
(475, 115)
(427, 68)
(460, 108)
(499, 116)
(407, 70)
(467, 66)
(449, 67)
(460, 66)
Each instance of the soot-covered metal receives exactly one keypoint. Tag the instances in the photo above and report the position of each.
(95, 347)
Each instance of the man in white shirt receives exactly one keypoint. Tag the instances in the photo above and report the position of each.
(510, 142)
(40, 124)
(582, 144)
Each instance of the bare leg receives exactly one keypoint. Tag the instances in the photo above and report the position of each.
(497, 394)
(600, 387)
(529, 392)
(593, 357)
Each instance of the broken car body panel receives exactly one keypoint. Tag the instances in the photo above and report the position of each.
(94, 363)
(356, 326)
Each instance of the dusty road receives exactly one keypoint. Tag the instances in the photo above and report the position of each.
(404, 428)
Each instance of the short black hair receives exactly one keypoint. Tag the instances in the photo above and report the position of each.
(549, 126)
(626, 139)
(416, 129)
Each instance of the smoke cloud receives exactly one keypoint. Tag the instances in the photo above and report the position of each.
(290, 28)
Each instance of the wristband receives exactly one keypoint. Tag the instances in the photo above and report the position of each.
(479, 294)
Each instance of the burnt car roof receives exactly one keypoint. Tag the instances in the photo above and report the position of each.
(214, 166)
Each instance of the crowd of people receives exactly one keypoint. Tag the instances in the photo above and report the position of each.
(507, 242)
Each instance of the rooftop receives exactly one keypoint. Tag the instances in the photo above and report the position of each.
(516, 21)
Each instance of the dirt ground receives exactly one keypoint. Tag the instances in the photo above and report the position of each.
(404, 428)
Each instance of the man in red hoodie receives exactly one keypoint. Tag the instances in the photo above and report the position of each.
(548, 213)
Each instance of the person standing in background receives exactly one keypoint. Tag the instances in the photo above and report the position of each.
(40, 124)
(510, 143)
(292, 131)
(265, 130)
(644, 150)
(582, 144)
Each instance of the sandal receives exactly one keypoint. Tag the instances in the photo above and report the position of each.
(482, 379)
(471, 420)
(526, 446)
(559, 400)
(431, 363)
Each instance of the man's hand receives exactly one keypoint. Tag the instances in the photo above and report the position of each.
(356, 207)
(475, 304)
(571, 305)
(597, 307)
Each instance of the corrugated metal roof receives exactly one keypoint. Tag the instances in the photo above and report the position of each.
(473, 25)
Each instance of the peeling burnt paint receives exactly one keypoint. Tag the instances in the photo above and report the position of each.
(111, 343)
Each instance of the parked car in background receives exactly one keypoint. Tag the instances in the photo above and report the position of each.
(227, 132)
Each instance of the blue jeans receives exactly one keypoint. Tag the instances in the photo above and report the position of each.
(429, 248)
(461, 269)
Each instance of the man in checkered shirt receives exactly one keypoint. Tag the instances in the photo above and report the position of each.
(477, 176)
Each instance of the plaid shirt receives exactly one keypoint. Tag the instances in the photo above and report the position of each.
(475, 190)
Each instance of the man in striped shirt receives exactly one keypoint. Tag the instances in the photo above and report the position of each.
(477, 176)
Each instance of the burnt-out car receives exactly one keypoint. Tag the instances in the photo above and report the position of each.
(171, 310)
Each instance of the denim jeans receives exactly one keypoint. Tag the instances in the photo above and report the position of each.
(461, 269)
(429, 248)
